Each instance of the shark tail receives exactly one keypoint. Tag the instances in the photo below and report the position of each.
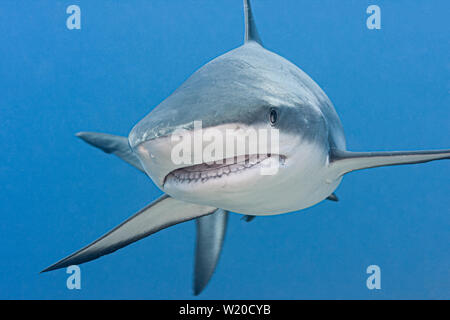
(211, 231)
(345, 161)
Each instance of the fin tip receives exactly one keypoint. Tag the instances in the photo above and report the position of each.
(82, 134)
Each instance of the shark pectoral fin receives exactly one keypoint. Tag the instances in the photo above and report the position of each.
(116, 145)
(333, 197)
(210, 234)
(160, 214)
(345, 161)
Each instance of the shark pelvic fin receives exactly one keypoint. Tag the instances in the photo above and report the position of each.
(345, 161)
(248, 218)
(160, 214)
(109, 143)
(333, 197)
(251, 33)
(211, 231)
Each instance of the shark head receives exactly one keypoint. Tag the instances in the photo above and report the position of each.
(245, 92)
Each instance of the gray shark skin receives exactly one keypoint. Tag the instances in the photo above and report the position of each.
(240, 89)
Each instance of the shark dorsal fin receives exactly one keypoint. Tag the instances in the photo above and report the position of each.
(251, 33)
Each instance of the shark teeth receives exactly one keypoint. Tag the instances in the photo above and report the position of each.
(217, 169)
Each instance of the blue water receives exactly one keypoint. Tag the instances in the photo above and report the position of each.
(389, 86)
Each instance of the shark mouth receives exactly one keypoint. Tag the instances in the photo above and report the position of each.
(221, 168)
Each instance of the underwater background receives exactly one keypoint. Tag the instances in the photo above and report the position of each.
(390, 88)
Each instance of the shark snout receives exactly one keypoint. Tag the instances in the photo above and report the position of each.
(162, 150)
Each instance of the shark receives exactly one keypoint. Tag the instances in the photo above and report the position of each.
(248, 87)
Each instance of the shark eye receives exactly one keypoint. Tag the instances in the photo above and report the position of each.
(273, 116)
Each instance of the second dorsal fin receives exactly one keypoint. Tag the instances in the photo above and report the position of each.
(251, 33)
